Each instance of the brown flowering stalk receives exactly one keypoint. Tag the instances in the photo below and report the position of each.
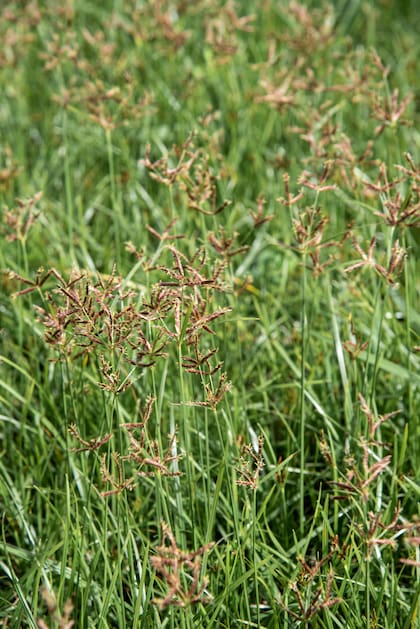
(20, 219)
(389, 110)
(59, 620)
(214, 395)
(165, 23)
(84, 317)
(222, 24)
(9, 167)
(398, 212)
(412, 170)
(92, 444)
(145, 452)
(258, 217)
(354, 346)
(412, 540)
(358, 481)
(373, 423)
(289, 200)
(320, 600)
(310, 602)
(251, 465)
(224, 244)
(309, 230)
(161, 170)
(319, 184)
(200, 363)
(165, 235)
(40, 278)
(367, 259)
(189, 169)
(377, 533)
(279, 96)
(312, 30)
(116, 478)
(395, 263)
(360, 476)
(175, 566)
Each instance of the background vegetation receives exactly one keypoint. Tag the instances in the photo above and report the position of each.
(209, 370)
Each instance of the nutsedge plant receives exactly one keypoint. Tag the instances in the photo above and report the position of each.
(209, 329)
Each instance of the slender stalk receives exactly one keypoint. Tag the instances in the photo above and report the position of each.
(254, 555)
(115, 206)
(302, 414)
(411, 411)
(187, 442)
(68, 187)
(367, 593)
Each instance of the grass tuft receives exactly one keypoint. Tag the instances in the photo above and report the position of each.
(209, 328)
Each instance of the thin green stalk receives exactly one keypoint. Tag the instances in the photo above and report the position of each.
(254, 554)
(172, 204)
(68, 187)
(122, 518)
(162, 507)
(302, 401)
(367, 592)
(411, 411)
(187, 443)
(348, 407)
(377, 337)
(115, 206)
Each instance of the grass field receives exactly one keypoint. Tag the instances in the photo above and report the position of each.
(209, 322)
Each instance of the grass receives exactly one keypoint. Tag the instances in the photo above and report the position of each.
(209, 369)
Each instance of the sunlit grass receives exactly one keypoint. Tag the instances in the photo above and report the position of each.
(209, 370)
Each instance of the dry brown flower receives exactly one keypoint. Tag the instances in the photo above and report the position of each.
(173, 565)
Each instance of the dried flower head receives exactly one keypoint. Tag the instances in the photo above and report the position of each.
(20, 219)
(59, 620)
(251, 464)
(177, 568)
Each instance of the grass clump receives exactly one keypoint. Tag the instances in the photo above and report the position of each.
(209, 324)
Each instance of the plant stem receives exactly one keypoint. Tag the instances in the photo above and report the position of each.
(302, 417)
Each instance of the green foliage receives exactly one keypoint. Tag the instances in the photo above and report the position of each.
(209, 368)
